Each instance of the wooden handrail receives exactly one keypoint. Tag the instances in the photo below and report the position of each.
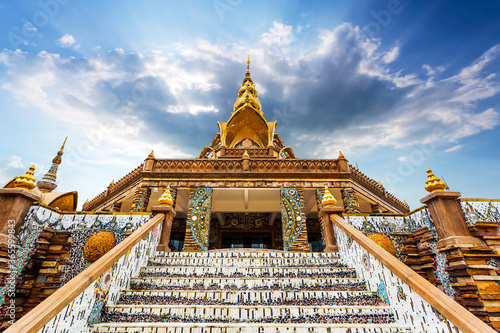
(451, 310)
(45, 311)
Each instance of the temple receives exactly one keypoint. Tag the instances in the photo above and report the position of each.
(247, 180)
(246, 237)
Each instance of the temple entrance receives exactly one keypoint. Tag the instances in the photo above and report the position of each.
(247, 240)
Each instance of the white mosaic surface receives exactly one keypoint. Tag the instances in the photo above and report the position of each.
(410, 309)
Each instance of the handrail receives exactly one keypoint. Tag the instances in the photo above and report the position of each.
(45, 311)
(451, 310)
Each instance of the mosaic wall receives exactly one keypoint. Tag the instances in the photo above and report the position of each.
(200, 211)
(292, 215)
(411, 310)
(39, 218)
(480, 211)
(86, 308)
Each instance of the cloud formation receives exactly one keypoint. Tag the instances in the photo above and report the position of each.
(341, 92)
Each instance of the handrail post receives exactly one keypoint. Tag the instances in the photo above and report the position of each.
(326, 225)
(166, 227)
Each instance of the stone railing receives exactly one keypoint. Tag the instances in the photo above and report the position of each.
(252, 152)
(235, 166)
(419, 303)
(62, 311)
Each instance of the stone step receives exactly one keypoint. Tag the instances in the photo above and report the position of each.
(213, 313)
(151, 314)
(245, 262)
(236, 254)
(295, 284)
(247, 328)
(359, 298)
(234, 272)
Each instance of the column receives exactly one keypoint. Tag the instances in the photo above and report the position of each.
(198, 221)
(141, 199)
(293, 219)
(351, 204)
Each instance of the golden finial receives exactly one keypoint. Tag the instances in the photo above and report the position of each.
(248, 64)
(406, 204)
(433, 183)
(86, 201)
(341, 155)
(112, 182)
(328, 199)
(62, 147)
(166, 198)
(151, 154)
(380, 184)
(245, 154)
(26, 181)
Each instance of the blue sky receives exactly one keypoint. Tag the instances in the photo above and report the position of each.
(396, 85)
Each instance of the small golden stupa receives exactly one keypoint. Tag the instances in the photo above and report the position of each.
(433, 183)
(328, 199)
(166, 198)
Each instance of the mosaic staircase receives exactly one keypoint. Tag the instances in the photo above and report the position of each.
(248, 291)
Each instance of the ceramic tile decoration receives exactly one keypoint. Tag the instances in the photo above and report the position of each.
(411, 310)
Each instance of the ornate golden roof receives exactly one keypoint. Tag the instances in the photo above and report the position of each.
(247, 119)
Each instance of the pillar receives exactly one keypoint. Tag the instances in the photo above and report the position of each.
(351, 204)
(293, 219)
(448, 218)
(198, 221)
(166, 226)
(14, 205)
(141, 199)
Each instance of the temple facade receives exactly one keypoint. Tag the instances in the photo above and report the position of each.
(247, 189)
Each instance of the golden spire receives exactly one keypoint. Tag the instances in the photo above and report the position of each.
(166, 198)
(151, 154)
(248, 65)
(26, 181)
(328, 199)
(433, 183)
(341, 155)
(245, 154)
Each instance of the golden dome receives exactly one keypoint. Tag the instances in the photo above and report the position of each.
(433, 183)
(328, 199)
(166, 198)
(26, 181)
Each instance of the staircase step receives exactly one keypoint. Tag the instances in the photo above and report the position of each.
(235, 272)
(292, 284)
(367, 298)
(245, 262)
(247, 328)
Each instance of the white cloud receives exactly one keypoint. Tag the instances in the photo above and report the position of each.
(279, 34)
(67, 41)
(391, 55)
(454, 148)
